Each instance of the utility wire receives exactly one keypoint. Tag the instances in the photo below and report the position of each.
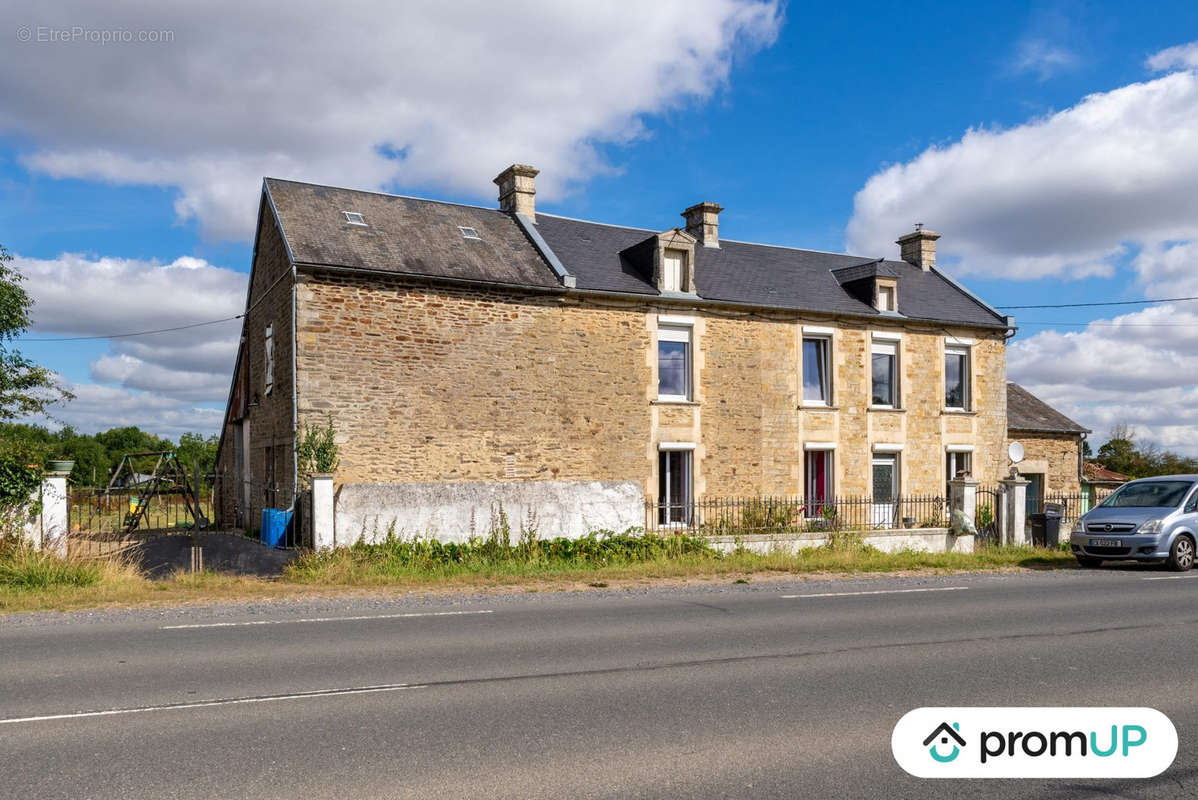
(135, 333)
(1108, 303)
(1024, 323)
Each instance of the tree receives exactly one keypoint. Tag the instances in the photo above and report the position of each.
(1122, 453)
(25, 387)
(194, 449)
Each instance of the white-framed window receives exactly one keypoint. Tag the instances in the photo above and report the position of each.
(956, 377)
(269, 351)
(673, 270)
(818, 480)
(884, 374)
(957, 462)
(886, 298)
(674, 362)
(817, 371)
(674, 479)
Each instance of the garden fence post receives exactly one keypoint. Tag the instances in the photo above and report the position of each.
(323, 537)
(1015, 509)
(963, 497)
(54, 514)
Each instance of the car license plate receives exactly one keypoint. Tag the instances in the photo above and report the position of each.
(1105, 543)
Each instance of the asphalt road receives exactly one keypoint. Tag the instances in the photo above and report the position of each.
(721, 691)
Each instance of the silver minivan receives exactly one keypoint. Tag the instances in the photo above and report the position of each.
(1151, 519)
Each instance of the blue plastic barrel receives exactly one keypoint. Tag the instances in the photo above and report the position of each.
(275, 523)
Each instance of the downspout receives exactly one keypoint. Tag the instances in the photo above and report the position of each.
(294, 396)
(1081, 461)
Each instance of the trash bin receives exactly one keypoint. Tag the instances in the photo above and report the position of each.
(1052, 524)
(1038, 523)
(275, 523)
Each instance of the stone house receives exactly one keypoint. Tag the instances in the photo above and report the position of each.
(464, 349)
(1052, 445)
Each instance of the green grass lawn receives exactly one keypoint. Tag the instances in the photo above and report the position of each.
(31, 581)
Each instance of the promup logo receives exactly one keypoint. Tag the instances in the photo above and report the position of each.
(1034, 742)
(945, 732)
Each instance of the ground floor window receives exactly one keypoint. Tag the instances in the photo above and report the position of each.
(817, 469)
(955, 464)
(674, 487)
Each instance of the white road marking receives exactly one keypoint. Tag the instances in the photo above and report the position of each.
(1172, 578)
(882, 591)
(229, 701)
(322, 619)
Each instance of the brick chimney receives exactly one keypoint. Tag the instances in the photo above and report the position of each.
(517, 190)
(703, 222)
(919, 247)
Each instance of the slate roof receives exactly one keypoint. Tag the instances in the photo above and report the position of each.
(421, 237)
(405, 235)
(1026, 412)
(870, 269)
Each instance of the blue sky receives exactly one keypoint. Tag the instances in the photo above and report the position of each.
(129, 171)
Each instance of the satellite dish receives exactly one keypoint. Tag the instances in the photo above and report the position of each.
(1015, 451)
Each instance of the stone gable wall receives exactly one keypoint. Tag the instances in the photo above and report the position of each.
(270, 415)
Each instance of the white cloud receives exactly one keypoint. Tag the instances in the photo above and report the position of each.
(98, 408)
(1042, 57)
(79, 296)
(1139, 368)
(1184, 56)
(1168, 269)
(453, 91)
(1065, 195)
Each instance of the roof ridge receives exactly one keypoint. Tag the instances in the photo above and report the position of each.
(386, 194)
(596, 222)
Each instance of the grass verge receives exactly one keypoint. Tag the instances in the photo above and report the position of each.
(31, 581)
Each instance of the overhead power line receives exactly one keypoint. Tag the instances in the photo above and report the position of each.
(1107, 303)
(134, 333)
(1005, 308)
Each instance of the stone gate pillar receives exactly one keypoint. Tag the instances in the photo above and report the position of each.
(963, 497)
(54, 514)
(1014, 517)
(322, 512)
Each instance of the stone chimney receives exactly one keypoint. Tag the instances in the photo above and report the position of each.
(703, 222)
(919, 247)
(517, 190)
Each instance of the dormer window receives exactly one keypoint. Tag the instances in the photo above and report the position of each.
(667, 259)
(885, 294)
(873, 283)
(673, 271)
(886, 298)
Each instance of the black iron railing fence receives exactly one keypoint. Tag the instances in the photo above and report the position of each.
(715, 516)
(106, 520)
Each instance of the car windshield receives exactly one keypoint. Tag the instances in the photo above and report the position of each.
(1150, 494)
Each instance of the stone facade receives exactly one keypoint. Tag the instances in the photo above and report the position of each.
(453, 384)
(1056, 456)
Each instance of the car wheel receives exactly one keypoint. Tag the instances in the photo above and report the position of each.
(1088, 562)
(1181, 554)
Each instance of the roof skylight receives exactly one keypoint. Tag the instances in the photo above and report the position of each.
(354, 218)
(469, 233)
